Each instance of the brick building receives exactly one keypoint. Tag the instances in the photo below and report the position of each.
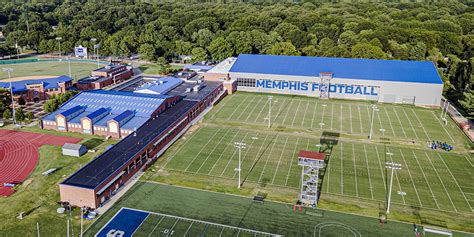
(38, 89)
(105, 76)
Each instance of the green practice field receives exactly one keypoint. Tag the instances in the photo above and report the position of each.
(78, 69)
(350, 117)
(433, 186)
(177, 211)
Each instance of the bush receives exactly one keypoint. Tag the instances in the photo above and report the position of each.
(30, 116)
(7, 114)
(19, 114)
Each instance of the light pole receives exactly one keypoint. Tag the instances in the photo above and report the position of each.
(240, 146)
(374, 108)
(394, 166)
(93, 40)
(9, 71)
(319, 147)
(69, 66)
(59, 44)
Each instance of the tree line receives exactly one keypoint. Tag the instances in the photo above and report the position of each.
(438, 31)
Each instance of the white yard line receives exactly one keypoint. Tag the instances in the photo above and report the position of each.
(156, 226)
(191, 225)
(203, 147)
(213, 149)
(253, 109)
(268, 158)
(472, 165)
(426, 179)
(304, 116)
(399, 121)
(443, 126)
(280, 108)
(314, 113)
(413, 128)
(350, 116)
(287, 112)
(172, 227)
(341, 118)
(222, 153)
(279, 160)
(421, 124)
(389, 121)
(181, 147)
(246, 107)
(296, 113)
(247, 149)
(360, 120)
(259, 113)
(231, 158)
(332, 114)
(398, 180)
(322, 117)
(455, 181)
(291, 161)
(355, 169)
(368, 173)
(380, 122)
(381, 169)
(259, 150)
(411, 178)
(442, 183)
(342, 170)
(237, 108)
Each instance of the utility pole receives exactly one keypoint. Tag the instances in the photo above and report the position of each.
(59, 43)
(9, 71)
(394, 166)
(374, 108)
(38, 228)
(240, 146)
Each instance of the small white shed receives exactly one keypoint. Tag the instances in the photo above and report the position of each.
(77, 150)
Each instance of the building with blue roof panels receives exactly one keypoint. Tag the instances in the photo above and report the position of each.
(95, 112)
(159, 86)
(38, 88)
(388, 81)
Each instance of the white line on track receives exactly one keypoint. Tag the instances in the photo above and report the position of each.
(399, 121)
(368, 173)
(203, 147)
(455, 181)
(442, 183)
(279, 160)
(291, 162)
(426, 179)
(407, 168)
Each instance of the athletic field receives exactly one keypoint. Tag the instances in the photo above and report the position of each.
(350, 117)
(163, 210)
(78, 69)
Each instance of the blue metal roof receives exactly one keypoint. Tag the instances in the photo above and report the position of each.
(115, 102)
(48, 83)
(348, 68)
(198, 67)
(123, 116)
(160, 86)
(72, 110)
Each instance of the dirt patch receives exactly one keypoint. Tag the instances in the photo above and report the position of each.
(29, 78)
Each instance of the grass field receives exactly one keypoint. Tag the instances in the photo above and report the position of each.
(172, 204)
(38, 195)
(78, 69)
(437, 184)
(401, 122)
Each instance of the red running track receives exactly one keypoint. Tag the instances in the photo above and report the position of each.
(19, 155)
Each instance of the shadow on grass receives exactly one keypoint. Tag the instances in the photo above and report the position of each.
(328, 140)
(93, 143)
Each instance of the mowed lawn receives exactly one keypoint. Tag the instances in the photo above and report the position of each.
(78, 69)
(402, 122)
(235, 211)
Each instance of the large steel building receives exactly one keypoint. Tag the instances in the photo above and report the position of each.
(388, 81)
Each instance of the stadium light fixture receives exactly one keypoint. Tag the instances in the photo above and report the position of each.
(9, 71)
(240, 146)
(374, 108)
(319, 147)
(321, 124)
(59, 44)
(393, 166)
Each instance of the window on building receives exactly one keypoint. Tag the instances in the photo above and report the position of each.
(247, 82)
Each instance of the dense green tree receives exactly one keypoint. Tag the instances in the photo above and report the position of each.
(30, 116)
(7, 114)
(19, 114)
(365, 50)
(199, 54)
(220, 48)
(147, 52)
(283, 48)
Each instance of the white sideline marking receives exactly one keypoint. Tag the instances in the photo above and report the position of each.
(426, 179)
(411, 178)
(442, 183)
(455, 181)
(368, 173)
(399, 121)
(190, 163)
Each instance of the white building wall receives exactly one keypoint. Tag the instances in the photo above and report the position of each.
(421, 94)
